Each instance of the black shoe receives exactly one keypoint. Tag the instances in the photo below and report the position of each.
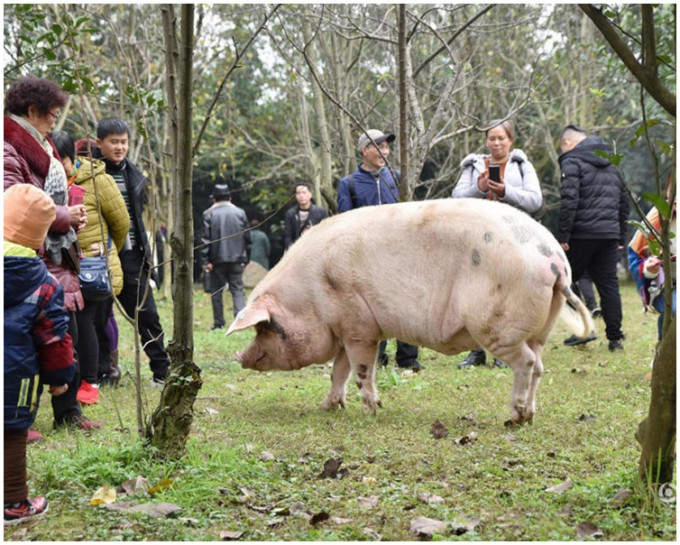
(498, 363)
(383, 360)
(474, 359)
(412, 365)
(574, 340)
(596, 312)
(217, 326)
(615, 345)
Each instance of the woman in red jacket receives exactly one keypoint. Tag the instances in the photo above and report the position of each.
(33, 106)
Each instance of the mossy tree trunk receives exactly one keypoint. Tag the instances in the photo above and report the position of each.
(171, 422)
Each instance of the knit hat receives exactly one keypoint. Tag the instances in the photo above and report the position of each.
(29, 212)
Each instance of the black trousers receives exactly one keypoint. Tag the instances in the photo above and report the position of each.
(92, 339)
(406, 353)
(135, 272)
(66, 407)
(599, 258)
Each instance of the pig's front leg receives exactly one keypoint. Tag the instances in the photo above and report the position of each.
(363, 361)
(339, 376)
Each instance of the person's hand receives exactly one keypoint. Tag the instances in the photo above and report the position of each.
(565, 246)
(483, 181)
(56, 391)
(78, 216)
(208, 267)
(653, 265)
(497, 187)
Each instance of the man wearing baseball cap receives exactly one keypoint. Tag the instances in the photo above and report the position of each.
(372, 184)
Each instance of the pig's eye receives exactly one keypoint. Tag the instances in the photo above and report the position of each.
(271, 326)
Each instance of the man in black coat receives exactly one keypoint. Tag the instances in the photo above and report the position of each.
(592, 228)
(303, 215)
(135, 257)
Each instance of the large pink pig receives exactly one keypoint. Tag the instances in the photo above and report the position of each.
(450, 274)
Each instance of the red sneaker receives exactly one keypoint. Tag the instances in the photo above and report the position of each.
(88, 394)
(33, 436)
(29, 509)
(86, 425)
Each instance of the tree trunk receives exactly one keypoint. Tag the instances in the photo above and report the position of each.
(656, 433)
(171, 421)
(405, 186)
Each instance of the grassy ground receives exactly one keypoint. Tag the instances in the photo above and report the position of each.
(260, 443)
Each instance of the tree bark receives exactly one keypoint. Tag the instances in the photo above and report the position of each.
(656, 433)
(405, 185)
(171, 422)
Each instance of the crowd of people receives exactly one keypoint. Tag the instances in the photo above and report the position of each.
(65, 199)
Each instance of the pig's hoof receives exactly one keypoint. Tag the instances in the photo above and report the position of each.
(332, 403)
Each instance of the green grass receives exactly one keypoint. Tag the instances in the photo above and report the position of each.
(227, 481)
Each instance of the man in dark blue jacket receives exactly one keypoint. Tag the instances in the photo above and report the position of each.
(135, 257)
(372, 183)
(592, 226)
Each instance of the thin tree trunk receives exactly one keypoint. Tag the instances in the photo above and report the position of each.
(171, 421)
(405, 185)
(656, 433)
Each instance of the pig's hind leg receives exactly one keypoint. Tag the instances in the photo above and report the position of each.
(339, 376)
(523, 362)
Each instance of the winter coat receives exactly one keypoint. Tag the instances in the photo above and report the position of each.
(114, 212)
(292, 223)
(522, 188)
(594, 202)
(25, 161)
(369, 189)
(224, 219)
(37, 346)
(135, 183)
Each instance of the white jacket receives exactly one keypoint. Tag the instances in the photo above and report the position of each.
(522, 189)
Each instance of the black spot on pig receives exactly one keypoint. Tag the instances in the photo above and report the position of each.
(362, 372)
(488, 237)
(555, 271)
(545, 249)
(476, 258)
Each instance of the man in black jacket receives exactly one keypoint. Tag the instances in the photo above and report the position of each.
(135, 256)
(227, 251)
(303, 215)
(592, 226)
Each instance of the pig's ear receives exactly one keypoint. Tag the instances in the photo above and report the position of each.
(253, 314)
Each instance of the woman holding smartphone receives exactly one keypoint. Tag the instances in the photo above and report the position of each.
(504, 174)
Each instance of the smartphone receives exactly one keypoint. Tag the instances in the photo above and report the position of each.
(495, 173)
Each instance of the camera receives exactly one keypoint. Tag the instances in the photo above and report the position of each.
(495, 173)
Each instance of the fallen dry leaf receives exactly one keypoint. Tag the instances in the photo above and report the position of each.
(426, 527)
(369, 502)
(164, 484)
(230, 535)
(372, 534)
(620, 498)
(138, 485)
(588, 529)
(462, 525)
(586, 418)
(267, 456)
(275, 521)
(211, 412)
(104, 495)
(368, 480)
(339, 521)
(430, 498)
(438, 430)
(565, 485)
(467, 439)
(319, 517)
(330, 468)
(161, 509)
